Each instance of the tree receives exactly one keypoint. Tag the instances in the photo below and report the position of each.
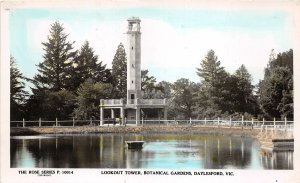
(17, 91)
(119, 71)
(58, 104)
(165, 90)
(55, 71)
(51, 97)
(213, 89)
(86, 66)
(284, 59)
(275, 92)
(210, 70)
(49, 105)
(103, 74)
(184, 97)
(148, 84)
(34, 104)
(88, 99)
(245, 99)
(286, 106)
(276, 89)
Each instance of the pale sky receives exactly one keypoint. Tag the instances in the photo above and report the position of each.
(174, 41)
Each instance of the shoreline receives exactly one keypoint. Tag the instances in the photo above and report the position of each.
(208, 130)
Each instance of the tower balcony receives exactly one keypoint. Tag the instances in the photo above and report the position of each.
(133, 102)
(152, 101)
(111, 102)
(146, 101)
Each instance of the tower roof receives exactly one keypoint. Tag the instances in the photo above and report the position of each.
(133, 19)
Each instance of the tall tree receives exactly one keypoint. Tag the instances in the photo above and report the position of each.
(276, 89)
(17, 91)
(286, 105)
(55, 71)
(245, 99)
(86, 66)
(213, 90)
(102, 73)
(119, 71)
(51, 96)
(210, 70)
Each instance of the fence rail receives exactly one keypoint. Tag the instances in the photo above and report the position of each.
(265, 125)
(59, 123)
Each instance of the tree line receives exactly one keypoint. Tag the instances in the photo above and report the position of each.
(70, 83)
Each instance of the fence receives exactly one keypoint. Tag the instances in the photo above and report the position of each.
(264, 125)
(223, 123)
(57, 123)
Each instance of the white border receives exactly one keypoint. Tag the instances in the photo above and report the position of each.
(93, 175)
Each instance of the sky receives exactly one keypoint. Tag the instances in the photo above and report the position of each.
(174, 40)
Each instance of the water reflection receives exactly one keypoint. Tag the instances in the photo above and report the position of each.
(160, 151)
(277, 160)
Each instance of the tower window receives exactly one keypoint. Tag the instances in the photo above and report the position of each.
(132, 47)
(132, 81)
(132, 65)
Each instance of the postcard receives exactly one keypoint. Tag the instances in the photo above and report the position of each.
(131, 91)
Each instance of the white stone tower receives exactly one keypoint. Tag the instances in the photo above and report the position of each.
(134, 61)
(130, 112)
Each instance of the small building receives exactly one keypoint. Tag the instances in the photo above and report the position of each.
(132, 107)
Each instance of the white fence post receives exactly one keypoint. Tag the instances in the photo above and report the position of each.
(285, 123)
(242, 122)
(56, 123)
(73, 122)
(190, 121)
(91, 121)
(23, 122)
(263, 121)
(252, 123)
(218, 122)
(230, 121)
(159, 119)
(274, 123)
(40, 122)
(205, 121)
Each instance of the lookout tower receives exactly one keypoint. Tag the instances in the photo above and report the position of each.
(134, 61)
(129, 111)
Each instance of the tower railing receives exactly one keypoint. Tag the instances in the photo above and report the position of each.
(133, 101)
(112, 101)
(152, 101)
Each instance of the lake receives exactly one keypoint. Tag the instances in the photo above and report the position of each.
(160, 151)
